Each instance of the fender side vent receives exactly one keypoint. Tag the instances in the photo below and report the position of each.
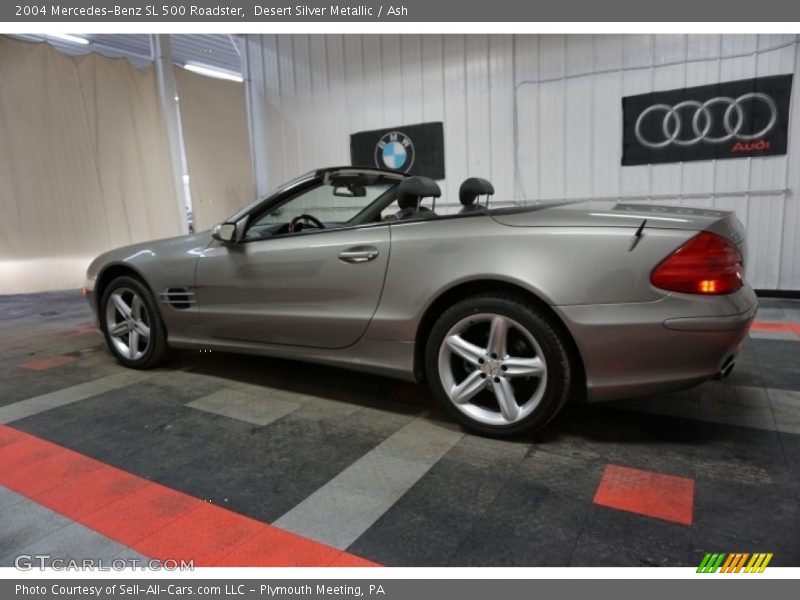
(178, 298)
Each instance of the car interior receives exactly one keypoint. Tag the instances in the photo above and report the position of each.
(351, 200)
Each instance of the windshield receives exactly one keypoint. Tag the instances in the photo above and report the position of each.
(281, 188)
(337, 202)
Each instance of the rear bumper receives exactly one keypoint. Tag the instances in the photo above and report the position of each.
(638, 349)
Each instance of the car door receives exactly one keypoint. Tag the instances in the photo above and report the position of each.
(316, 288)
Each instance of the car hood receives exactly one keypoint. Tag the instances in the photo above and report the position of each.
(163, 249)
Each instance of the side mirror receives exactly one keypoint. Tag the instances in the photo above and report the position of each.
(224, 232)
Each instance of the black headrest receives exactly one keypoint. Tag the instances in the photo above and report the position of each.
(419, 187)
(472, 188)
(408, 201)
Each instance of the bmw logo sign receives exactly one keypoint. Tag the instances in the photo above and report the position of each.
(395, 151)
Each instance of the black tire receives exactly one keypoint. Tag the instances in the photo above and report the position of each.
(157, 350)
(559, 372)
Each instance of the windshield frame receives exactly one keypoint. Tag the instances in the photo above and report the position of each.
(249, 217)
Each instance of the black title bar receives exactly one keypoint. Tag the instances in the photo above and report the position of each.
(282, 11)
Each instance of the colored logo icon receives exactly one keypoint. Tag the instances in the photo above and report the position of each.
(738, 562)
(394, 151)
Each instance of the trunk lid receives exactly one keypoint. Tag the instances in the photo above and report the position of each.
(623, 214)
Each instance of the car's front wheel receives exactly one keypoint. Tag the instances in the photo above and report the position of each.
(498, 364)
(132, 324)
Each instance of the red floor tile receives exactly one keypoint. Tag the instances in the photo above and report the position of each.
(150, 518)
(204, 535)
(779, 326)
(140, 514)
(8, 436)
(22, 453)
(274, 546)
(647, 493)
(90, 492)
(47, 362)
(50, 472)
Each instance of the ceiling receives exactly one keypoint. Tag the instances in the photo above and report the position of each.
(218, 51)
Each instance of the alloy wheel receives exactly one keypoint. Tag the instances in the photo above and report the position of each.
(492, 369)
(128, 323)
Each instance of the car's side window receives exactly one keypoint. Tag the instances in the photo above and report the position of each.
(328, 205)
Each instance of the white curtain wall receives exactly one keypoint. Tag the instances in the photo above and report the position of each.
(217, 145)
(84, 163)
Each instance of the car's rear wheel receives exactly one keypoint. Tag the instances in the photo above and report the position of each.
(498, 364)
(132, 325)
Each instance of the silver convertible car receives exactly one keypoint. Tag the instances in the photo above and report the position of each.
(506, 313)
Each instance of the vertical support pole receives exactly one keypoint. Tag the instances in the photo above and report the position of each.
(244, 56)
(256, 86)
(168, 90)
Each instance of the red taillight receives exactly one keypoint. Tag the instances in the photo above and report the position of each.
(707, 264)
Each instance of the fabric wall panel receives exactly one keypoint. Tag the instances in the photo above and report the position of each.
(215, 135)
(84, 163)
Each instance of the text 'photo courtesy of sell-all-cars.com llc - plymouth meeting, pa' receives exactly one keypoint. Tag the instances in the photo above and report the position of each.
(505, 313)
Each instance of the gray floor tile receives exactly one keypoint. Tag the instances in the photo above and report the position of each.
(775, 335)
(70, 542)
(27, 528)
(716, 402)
(770, 313)
(24, 523)
(8, 498)
(343, 509)
(743, 406)
(785, 406)
(259, 409)
(38, 404)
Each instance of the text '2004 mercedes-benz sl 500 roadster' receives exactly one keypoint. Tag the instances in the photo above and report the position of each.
(506, 313)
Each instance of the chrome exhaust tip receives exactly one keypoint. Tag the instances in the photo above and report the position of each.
(727, 368)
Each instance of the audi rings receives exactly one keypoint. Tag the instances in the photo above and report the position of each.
(702, 121)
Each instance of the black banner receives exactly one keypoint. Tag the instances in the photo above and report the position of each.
(733, 119)
(127, 586)
(409, 11)
(413, 149)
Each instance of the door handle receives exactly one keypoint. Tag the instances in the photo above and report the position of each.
(359, 254)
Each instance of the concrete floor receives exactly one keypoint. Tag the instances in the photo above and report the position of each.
(274, 462)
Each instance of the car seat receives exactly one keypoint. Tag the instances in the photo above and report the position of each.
(469, 192)
(410, 193)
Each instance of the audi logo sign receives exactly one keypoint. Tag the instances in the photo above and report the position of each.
(702, 121)
(726, 120)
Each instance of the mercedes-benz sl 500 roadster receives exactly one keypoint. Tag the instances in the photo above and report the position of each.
(506, 313)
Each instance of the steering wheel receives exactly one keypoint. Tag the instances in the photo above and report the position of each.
(296, 221)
